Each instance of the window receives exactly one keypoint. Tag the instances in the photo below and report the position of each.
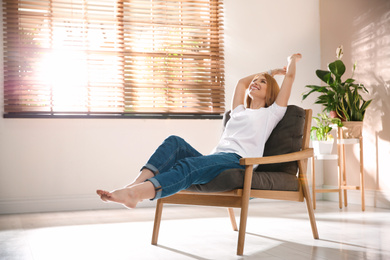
(110, 58)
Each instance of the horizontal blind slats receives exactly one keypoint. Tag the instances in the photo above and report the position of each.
(104, 56)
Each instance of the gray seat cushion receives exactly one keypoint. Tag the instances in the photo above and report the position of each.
(285, 138)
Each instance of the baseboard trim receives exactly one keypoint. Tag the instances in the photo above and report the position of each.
(74, 203)
(372, 198)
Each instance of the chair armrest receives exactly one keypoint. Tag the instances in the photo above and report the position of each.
(289, 157)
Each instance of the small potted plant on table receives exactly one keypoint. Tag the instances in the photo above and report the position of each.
(320, 135)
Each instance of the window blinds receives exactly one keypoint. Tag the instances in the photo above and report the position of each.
(113, 57)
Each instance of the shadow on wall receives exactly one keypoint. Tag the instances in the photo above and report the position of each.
(371, 48)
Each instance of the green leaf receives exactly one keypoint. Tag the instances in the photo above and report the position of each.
(336, 121)
(314, 89)
(337, 68)
(365, 104)
(364, 88)
(325, 76)
(317, 88)
(341, 111)
(349, 98)
(313, 133)
(324, 98)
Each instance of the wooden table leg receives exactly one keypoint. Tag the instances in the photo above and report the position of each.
(313, 179)
(339, 174)
(362, 173)
(344, 174)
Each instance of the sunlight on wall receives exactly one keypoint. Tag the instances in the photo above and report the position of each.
(371, 48)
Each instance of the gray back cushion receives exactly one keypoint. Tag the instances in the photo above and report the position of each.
(285, 138)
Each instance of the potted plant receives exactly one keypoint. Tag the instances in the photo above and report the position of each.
(320, 134)
(341, 99)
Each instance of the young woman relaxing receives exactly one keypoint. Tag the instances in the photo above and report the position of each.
(258, 105)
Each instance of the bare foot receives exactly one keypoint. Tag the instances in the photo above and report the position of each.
(103, 195)
(126, 197)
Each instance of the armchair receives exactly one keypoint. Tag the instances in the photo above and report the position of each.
(286, 153)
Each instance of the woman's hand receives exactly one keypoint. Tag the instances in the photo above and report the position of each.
(296, 56)
(280, 71)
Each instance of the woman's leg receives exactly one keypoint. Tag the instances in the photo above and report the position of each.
(193, 170)
(143, 176)
(172, 150)
(129, 196)
(166, 155)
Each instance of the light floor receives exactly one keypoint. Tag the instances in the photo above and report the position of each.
(276, 230)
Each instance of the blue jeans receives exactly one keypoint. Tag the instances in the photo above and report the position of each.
(177, 165)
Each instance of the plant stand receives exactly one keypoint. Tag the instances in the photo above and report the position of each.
(342, 166)
(314, 189)
(342, 176)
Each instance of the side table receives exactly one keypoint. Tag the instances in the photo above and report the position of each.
(342, 166)
(342, 176)
(314, 189)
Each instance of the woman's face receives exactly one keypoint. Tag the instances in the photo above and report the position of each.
(258, 87)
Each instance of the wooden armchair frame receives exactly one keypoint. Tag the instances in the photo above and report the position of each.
(239, 198)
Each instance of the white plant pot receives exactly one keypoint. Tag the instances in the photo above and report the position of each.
(323, 147)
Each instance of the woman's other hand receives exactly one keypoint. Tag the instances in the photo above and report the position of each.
(296, 56)
(279, 71)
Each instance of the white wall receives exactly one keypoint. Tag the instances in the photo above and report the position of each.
(57, 164)
(260, 35)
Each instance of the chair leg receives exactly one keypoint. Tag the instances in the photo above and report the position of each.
(244, 208)
(306, 193)
(232, 219)
(312, 218)
(241, 232)
(310, 210)
(313, 181)
(157, 221)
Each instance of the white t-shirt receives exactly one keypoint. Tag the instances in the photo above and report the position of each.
(247, 130)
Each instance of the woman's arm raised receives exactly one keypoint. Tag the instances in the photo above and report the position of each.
(239, 92)
(285, 89)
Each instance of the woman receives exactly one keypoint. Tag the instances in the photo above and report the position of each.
(176, 165)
